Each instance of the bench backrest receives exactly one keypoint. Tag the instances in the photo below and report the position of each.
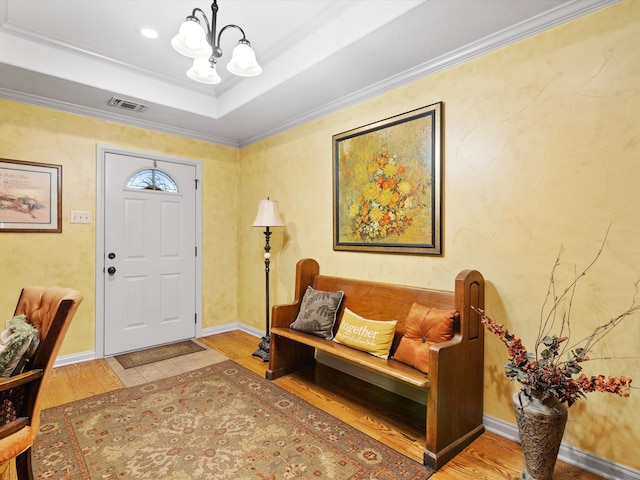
(381, 301)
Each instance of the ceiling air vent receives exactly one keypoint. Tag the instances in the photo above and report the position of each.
(127, 105)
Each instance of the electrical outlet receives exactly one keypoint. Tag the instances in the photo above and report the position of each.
(80, 216)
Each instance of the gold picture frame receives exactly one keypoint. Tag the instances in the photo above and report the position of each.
(30, 197)
(387, 185)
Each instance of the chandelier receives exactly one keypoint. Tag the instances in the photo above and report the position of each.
(204, 47)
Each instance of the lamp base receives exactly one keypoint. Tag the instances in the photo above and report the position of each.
(263, 349)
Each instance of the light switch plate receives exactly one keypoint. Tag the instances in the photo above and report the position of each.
(78, 216)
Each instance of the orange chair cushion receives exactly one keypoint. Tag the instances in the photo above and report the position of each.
(14, 445)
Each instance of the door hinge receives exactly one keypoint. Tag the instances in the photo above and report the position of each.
(196, 247)
(196, 180)
(196, 319)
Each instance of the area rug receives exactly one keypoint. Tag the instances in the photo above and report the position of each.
(157, 354)
(218, 422)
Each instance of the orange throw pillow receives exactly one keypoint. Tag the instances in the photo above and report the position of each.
(425, 326)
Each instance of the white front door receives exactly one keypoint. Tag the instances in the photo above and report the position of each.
(150, 252)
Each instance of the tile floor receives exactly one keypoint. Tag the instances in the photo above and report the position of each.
(166, 368)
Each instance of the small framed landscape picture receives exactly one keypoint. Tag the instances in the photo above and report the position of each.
(30, 197)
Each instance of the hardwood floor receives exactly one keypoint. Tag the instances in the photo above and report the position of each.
(489, 457)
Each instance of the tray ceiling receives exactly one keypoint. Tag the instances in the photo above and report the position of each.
(317, 56)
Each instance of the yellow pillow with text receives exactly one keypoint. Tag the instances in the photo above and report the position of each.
(371, 336)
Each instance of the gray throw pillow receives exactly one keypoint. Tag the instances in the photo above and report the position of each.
(318, 312)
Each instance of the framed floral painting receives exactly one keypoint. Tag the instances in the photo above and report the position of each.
(387, 185)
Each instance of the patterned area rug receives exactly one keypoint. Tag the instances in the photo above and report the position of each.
(157, 354)
(218, 422)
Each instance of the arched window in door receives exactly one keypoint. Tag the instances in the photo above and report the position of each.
(152, 179)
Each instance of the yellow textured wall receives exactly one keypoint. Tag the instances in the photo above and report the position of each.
(67, 259)
(542, 149)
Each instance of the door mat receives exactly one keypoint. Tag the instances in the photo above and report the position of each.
(156, 354)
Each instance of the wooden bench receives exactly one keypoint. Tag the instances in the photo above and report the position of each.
(454, 384)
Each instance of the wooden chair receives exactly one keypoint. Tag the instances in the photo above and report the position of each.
(50, 310)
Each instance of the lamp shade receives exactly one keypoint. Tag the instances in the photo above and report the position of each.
(191, 40)
(268, 215)
(203, 72)
(243, 61)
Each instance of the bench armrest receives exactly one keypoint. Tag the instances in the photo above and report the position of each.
(284, 315)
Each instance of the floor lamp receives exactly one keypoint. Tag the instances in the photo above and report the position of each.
(267, 217)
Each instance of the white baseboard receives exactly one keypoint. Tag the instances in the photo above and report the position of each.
(568, 454)
(233, 326)
(74, 358)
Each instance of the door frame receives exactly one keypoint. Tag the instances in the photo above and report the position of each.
(101, 152)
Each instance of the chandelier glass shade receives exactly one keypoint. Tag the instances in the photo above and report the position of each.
(202, 71)
(243, 61)
(202, 43)
(191, 40)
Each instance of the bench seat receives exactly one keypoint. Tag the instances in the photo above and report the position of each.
(453, 384)
(390, 367)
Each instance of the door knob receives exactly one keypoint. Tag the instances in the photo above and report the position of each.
(111, 270)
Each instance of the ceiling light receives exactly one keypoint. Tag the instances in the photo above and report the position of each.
(203, 45)
(148, 32)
